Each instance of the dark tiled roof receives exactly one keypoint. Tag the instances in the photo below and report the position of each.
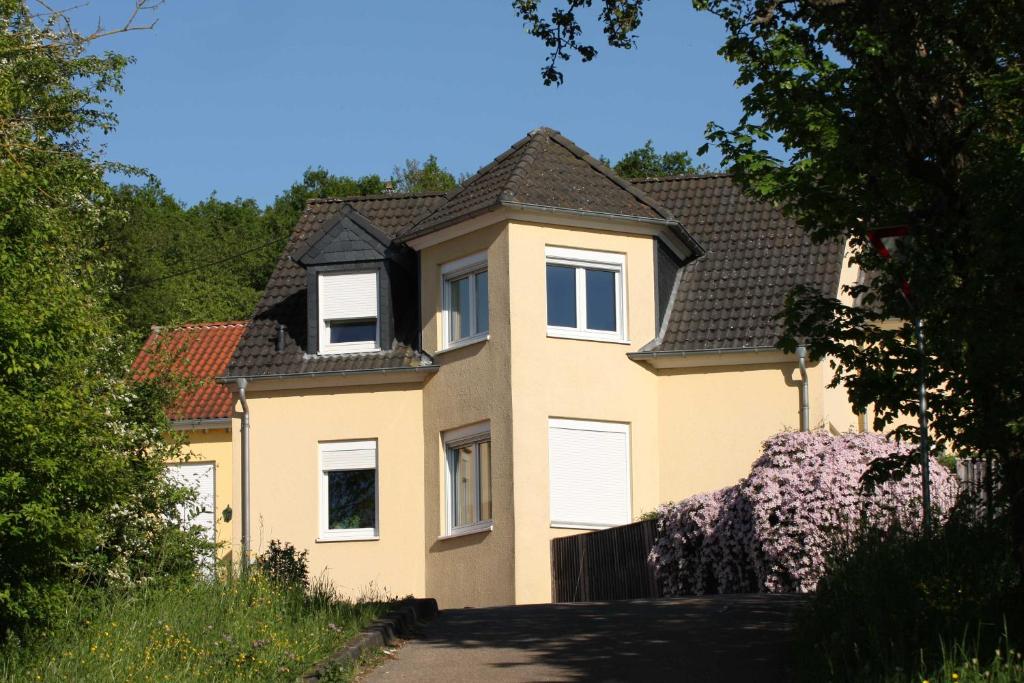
(284, 299)
(543, 169)
(199, 352)
(754, 257)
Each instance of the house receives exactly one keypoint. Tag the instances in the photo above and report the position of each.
(198, 354)
(435, 386)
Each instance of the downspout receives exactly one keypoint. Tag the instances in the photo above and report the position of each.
(805, 403)
(242, 382)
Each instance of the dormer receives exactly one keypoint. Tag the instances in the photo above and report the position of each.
(353, 273)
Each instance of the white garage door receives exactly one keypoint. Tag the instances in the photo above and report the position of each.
(200, 478)
(589, 473)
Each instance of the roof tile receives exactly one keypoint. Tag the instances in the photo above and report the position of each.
(754, 256)
(199, 352)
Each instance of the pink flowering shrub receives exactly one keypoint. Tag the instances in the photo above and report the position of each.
(776, 529)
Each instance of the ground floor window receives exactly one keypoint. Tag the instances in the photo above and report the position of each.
(589, 473)
(468, 479)
(348, 490)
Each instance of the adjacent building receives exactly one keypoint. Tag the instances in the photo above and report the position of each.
(197, 354)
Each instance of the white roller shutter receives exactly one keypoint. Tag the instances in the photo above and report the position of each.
(348, 295)
(203, 513)
(348, 455)
(589, 476)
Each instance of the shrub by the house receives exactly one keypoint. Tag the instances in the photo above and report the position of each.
(776, 529)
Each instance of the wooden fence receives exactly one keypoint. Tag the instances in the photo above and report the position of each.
(604, 565)
(978, 481)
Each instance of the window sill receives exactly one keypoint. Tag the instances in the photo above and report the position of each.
(478, 528)
(346, 539)
(463, 343)
(342, 350)
(582, 335)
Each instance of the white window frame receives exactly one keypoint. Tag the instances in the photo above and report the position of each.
(593, 426)
(457, 438)
(469, 266)
(581, 260)
(326, 347)
(362, 534)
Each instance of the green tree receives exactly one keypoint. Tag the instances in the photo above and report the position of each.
(165, 252)
(316, 183)
(81, 446)
(645, 162)
(889, 114)
(428, 176)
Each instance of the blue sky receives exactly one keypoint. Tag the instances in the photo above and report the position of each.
(239, 97)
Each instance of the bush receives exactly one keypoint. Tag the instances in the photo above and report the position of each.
(901, 607)
(776, 530)
(282, 563)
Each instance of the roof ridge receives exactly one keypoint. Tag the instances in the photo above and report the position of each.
(608, 173)
(681, 176)
(212, 324)
(379, 196)
(468, 182)
(515, 176)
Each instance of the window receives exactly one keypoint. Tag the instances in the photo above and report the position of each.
(348, 312)
(589, 473)
(468, 480)
(348, 490)
(464, 287)
(586, 297)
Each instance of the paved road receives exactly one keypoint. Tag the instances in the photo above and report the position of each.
(717, 638)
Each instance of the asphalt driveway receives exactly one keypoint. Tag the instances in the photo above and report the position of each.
(707, 639)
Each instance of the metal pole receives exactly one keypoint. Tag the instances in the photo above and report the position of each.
(805, 406)
(245, 540)
(922, 397)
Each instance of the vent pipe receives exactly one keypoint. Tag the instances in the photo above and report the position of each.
(805, 403)
(279, 344)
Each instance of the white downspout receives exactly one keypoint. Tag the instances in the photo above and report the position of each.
(805, 403)
(245, 473)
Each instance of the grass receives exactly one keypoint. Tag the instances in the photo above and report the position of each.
(1004, 666)
(206, 630)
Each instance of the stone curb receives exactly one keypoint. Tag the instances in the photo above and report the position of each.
(399, 623)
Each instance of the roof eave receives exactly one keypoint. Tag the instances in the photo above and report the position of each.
(232, 379)
(744, 355)
(201, 424)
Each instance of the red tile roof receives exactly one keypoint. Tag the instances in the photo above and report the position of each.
(199, 352)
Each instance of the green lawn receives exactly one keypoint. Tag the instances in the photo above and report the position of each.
(235, 630)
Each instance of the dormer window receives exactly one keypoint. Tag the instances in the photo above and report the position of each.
(348, 314)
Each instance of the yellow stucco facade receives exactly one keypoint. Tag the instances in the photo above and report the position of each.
(694, 424)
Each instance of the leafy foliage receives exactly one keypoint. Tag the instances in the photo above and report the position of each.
(902, 604)
(429, 176)
(779, 529)
(281, 562)
(645, 162)
(82, 496)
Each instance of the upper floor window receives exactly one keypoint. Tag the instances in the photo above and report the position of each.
(586, 294)
(348, 312)
(464, 306)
